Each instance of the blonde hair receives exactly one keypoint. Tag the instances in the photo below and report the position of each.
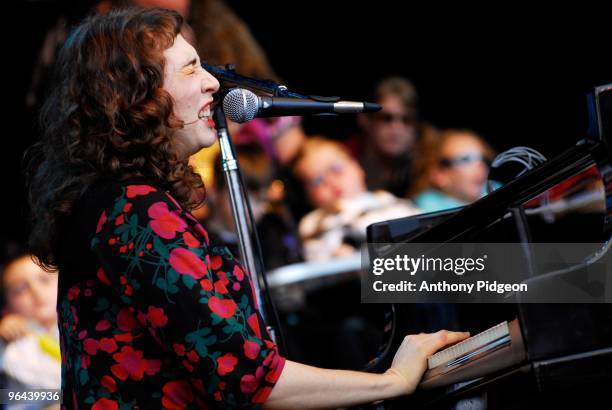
(311, 147)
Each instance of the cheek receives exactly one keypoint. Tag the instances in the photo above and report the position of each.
(350, 179)
(320, 197)
(21, 304)
(185, 97)
(50, 294)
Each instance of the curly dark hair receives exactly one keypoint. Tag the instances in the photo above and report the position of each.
(106, 117)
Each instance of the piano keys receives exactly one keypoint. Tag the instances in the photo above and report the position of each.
(496, 348)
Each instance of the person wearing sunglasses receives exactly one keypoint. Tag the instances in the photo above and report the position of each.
(385, 148)
(451, 170)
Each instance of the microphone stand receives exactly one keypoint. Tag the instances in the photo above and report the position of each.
(229, 78)
(245, 227)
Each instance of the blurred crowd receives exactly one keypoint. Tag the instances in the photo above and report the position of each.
(312, 195)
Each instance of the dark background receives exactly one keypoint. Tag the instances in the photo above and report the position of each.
(518, 76)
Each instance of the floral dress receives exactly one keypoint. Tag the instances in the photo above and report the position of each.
(152, 314)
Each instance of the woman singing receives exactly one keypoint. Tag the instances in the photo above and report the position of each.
(152, 314)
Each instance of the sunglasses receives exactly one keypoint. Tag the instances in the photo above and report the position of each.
(388, 118)
(463, 160)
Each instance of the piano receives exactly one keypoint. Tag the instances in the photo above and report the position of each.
(521, 355)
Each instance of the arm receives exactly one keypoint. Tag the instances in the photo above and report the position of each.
(323, 388)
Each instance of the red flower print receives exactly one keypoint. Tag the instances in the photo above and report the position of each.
(177, 395)
(188, 365)
(186, 262)
(105, 404)
(101, 222)
(124, 337)
(126, 320)
(248, 383)
(120, 220)
(193, 356)
(261, 395)
(179, 349)
(91, 346)
(223, 277)
(251, 349)
(131, 364)
(226, 364)
(220, 288)
(190, 241)
(164, 222)
(85, 361)
(102, 277)
(136, 190)
(108, 345)
(216, 262)
(156, 316)
(198, 385)
(277, 367)
(236, 286)
(141, 317)
(224, 308)
(127, 207)
(238, 273)
(109, 383)
(103, 325)
(206, 285)
(253, 323)
(73, 293)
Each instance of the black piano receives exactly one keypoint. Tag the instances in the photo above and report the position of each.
(521, 355)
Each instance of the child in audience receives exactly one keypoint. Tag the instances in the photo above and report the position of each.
(335, 185)
(29, 342)
(451, 171)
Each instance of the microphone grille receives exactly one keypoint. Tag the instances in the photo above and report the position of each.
(240, 105)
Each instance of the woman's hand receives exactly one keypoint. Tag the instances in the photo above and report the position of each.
(13, 327)
(301, 386)
(410, 361)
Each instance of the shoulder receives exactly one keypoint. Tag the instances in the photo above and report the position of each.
(433, 200)
(115, 201)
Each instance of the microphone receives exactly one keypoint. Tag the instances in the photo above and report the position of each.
(242, 105)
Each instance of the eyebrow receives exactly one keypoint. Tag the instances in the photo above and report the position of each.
(194, 61)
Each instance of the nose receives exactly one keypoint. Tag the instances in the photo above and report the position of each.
(209, 83)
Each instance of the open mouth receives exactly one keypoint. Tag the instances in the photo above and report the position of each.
(205, 114)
